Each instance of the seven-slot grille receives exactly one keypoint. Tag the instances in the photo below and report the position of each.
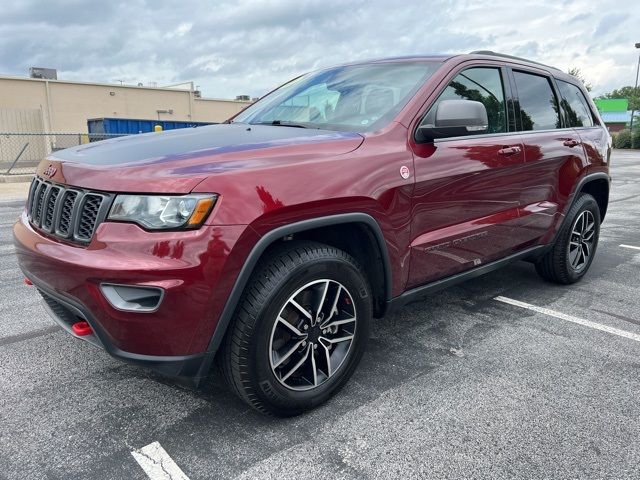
(66, 212)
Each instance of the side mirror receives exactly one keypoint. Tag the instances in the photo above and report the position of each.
(454, 118)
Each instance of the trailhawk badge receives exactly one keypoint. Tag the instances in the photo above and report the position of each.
(404, 172)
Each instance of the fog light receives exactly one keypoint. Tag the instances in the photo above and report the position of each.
(132, 298)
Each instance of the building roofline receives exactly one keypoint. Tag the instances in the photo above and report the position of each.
(115, 85)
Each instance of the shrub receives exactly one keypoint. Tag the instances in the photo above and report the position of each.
(622, 139)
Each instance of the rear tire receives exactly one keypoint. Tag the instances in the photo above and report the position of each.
(304, 294)
(575, 246)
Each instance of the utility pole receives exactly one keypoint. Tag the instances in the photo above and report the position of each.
(635, 90)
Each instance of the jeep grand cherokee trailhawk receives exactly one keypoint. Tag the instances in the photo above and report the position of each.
(266, 245)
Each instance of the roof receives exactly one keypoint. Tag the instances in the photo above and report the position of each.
(619, 105)
(616, 117)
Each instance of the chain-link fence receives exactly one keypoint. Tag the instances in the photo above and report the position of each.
(20, 153)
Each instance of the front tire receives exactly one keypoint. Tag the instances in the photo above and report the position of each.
(300, 329)
(575, 246)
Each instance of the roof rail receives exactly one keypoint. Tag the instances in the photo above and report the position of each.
(513, 57)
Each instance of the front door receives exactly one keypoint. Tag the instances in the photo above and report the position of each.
(465, 207)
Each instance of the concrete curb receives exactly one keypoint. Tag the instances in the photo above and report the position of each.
(16, 178)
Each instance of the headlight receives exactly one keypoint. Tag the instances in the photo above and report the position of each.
(161, 212)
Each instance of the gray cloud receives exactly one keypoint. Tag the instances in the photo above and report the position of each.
(609, 23)
(247, 47)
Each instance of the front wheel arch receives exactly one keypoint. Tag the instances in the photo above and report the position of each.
(274, 237)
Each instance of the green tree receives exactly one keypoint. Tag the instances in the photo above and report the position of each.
(575, 71)
(630, 93)
(623, 139)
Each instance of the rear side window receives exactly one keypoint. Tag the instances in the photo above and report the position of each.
(538, 105)
(574, 105)
(482, 85)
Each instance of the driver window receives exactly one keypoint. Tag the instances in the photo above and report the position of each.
(482, 85)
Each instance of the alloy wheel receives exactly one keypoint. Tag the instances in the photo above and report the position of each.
(581, 240)
(312, 335)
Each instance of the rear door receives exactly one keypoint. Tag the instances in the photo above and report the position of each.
(579, 115)
(553, 153)
(467, 192)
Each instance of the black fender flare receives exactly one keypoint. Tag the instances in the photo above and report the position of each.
(259, 248)
(590, 177)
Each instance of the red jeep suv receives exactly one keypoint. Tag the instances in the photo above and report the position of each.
(265, 245)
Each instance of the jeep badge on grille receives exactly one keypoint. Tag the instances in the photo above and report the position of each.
(50, 171)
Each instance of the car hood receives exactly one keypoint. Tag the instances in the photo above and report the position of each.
(176, 161)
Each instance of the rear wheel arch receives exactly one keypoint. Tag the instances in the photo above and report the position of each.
(598, 187)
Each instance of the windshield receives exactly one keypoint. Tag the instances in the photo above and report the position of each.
(355, 98)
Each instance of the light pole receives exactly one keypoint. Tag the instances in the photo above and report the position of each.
(635, 89)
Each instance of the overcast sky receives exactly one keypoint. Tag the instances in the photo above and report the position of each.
(249, 46)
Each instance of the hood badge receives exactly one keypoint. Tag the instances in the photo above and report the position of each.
(50, 171)
(404, 172)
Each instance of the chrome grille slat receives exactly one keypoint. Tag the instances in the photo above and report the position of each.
(66, 212)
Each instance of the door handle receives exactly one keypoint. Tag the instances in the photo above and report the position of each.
(506, 151)
(570, 143)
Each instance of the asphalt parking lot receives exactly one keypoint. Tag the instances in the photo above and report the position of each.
(459, 386)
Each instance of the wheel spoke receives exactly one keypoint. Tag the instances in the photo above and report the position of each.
(588, 236)
(299, 364)
(327, 356)
(585, 251)
(335, 323)
(288, 354)
(300, 308)
(291, 327)
(334, 309)
(313, 368)
(337, 340)
(589, 227)
(322, 299)
(576, 257)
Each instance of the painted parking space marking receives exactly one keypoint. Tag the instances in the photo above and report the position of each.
(570, 318)
(629, 246)
(157, 463)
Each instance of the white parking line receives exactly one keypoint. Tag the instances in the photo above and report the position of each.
(569, 318)
(157, 463)
(629, 246)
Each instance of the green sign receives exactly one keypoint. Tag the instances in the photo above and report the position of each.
(612, 104)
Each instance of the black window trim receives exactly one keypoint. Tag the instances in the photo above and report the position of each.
(507, 92)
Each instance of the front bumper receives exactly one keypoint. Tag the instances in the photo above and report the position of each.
(195, 269)
(65, 312)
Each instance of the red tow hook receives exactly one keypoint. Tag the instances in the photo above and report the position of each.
(27, 281)
(81, 328)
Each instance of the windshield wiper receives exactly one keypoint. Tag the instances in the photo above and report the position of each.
(282, 123)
